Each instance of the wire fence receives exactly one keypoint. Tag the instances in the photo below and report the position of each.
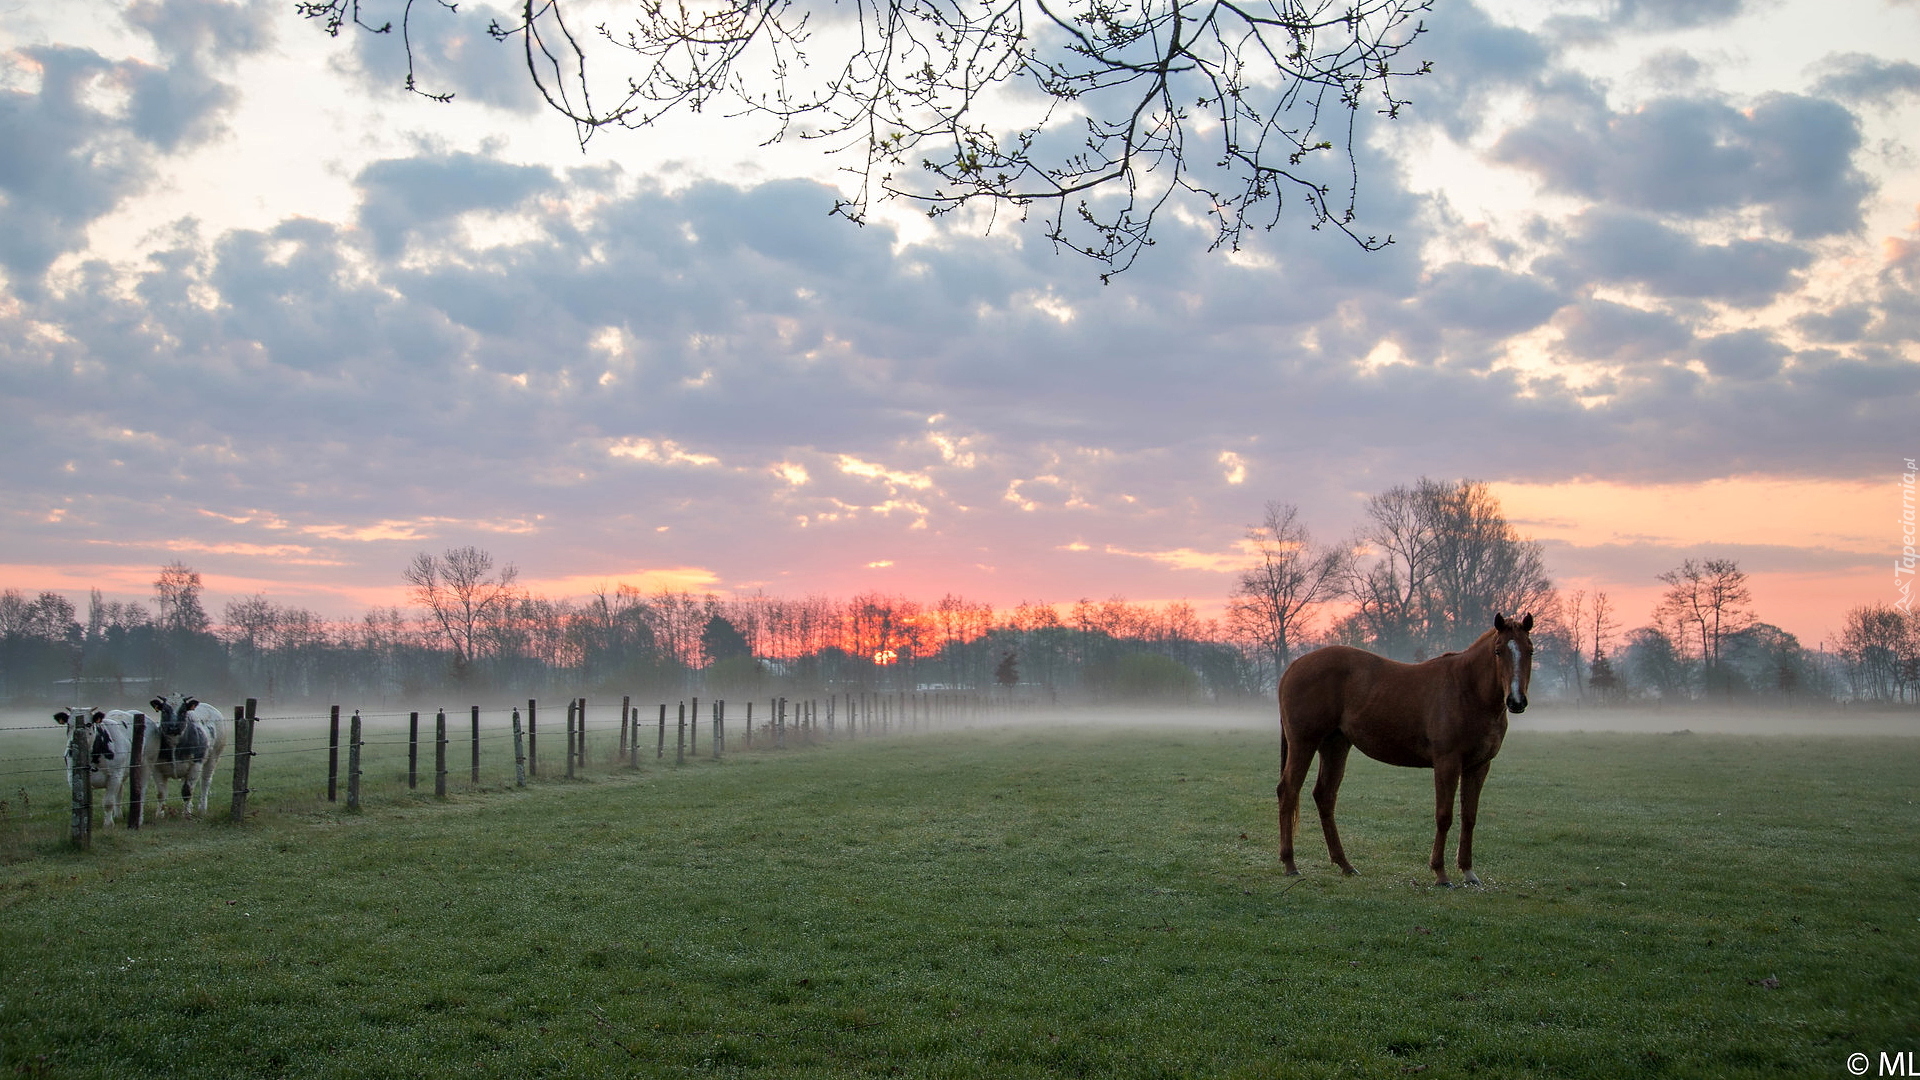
(345, 760)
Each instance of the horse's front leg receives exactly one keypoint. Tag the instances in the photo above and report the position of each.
(1446, 780)
(1470, 782)
(1326, 792)
(1293, 777)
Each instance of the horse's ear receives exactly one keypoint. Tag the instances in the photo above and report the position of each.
(1526, 624)
(1499, 622)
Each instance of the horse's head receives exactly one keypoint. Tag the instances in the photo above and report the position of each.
(1513, 658)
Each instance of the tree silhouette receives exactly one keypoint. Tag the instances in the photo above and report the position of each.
(1007, 671)
(1097, 111)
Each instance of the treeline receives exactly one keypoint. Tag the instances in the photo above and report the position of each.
(1424, 573)
(1432, 562)
(472, 629)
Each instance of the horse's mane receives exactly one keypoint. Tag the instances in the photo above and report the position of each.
(1477, 642)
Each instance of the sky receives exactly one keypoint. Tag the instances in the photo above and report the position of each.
(263, 312)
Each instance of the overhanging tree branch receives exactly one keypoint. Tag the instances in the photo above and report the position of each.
(1094, 113)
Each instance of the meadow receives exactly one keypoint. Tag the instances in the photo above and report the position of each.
(1021, 900)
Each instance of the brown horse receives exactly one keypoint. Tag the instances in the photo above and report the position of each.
(1448, 714)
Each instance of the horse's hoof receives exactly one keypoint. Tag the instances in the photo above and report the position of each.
(1292, 872)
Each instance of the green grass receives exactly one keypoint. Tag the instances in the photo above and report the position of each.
(999, 904)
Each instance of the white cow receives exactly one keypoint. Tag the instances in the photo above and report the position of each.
(109, 737)
(186, 742)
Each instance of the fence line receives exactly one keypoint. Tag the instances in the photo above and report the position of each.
(846, 715)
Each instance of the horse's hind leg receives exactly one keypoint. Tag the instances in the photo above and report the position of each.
(1470, 782)
(1295, 760)
(1326, 791)
(1446, 780)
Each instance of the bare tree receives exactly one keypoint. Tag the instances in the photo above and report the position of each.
(1274, 600)
(1098, 111)
(1434, 563)
(1604, 624)
(177, 594)
(1711, 597)
(467, 600)
(1881, 647)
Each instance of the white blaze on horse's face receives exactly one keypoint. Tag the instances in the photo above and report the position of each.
(1519, 650)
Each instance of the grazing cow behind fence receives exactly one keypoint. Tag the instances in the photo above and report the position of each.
(109, 737)
(189, 737)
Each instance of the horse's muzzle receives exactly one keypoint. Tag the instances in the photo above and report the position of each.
(1517, 705)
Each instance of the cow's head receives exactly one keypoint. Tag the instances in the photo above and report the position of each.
(85, 720)
(81, 717)
(170, 716)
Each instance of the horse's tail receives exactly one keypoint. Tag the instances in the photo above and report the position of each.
(1281, 701)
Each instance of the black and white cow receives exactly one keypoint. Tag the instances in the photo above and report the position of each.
(187, 740)
(109, 736)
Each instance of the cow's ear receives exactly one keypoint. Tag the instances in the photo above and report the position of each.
(188, 705)
(99, 715)
(61, 716)
(1526, 624)
(157, 703)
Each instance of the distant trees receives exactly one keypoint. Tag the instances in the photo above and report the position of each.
(467, 600)
(1881, 647)
(1274, 599)
(186, 651)
(1708, 599)
(1431, 566)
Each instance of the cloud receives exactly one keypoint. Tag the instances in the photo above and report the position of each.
(1696, 156)
(85, 132)
(1474, 59)
(1619, 333)
(453, 53)
(1619, 247)
(1864, 78)
(404, 199)
(1743, 354)
(1645, 17)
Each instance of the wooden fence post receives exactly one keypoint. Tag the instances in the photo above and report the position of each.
(747, 735)
(333, 754)
(137, 772)
(693, 733)
(353, 763)
(631, 716)
(660, 752)
(476, 744)
(413, 751)
(440, 754)
(243, 719)
(80, 781)
(719, 727)
(573, 705)
(680, 738)
(533, 743)
(580, 721)
(519, 755)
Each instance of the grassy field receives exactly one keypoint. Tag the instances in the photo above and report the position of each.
(1003, 903)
